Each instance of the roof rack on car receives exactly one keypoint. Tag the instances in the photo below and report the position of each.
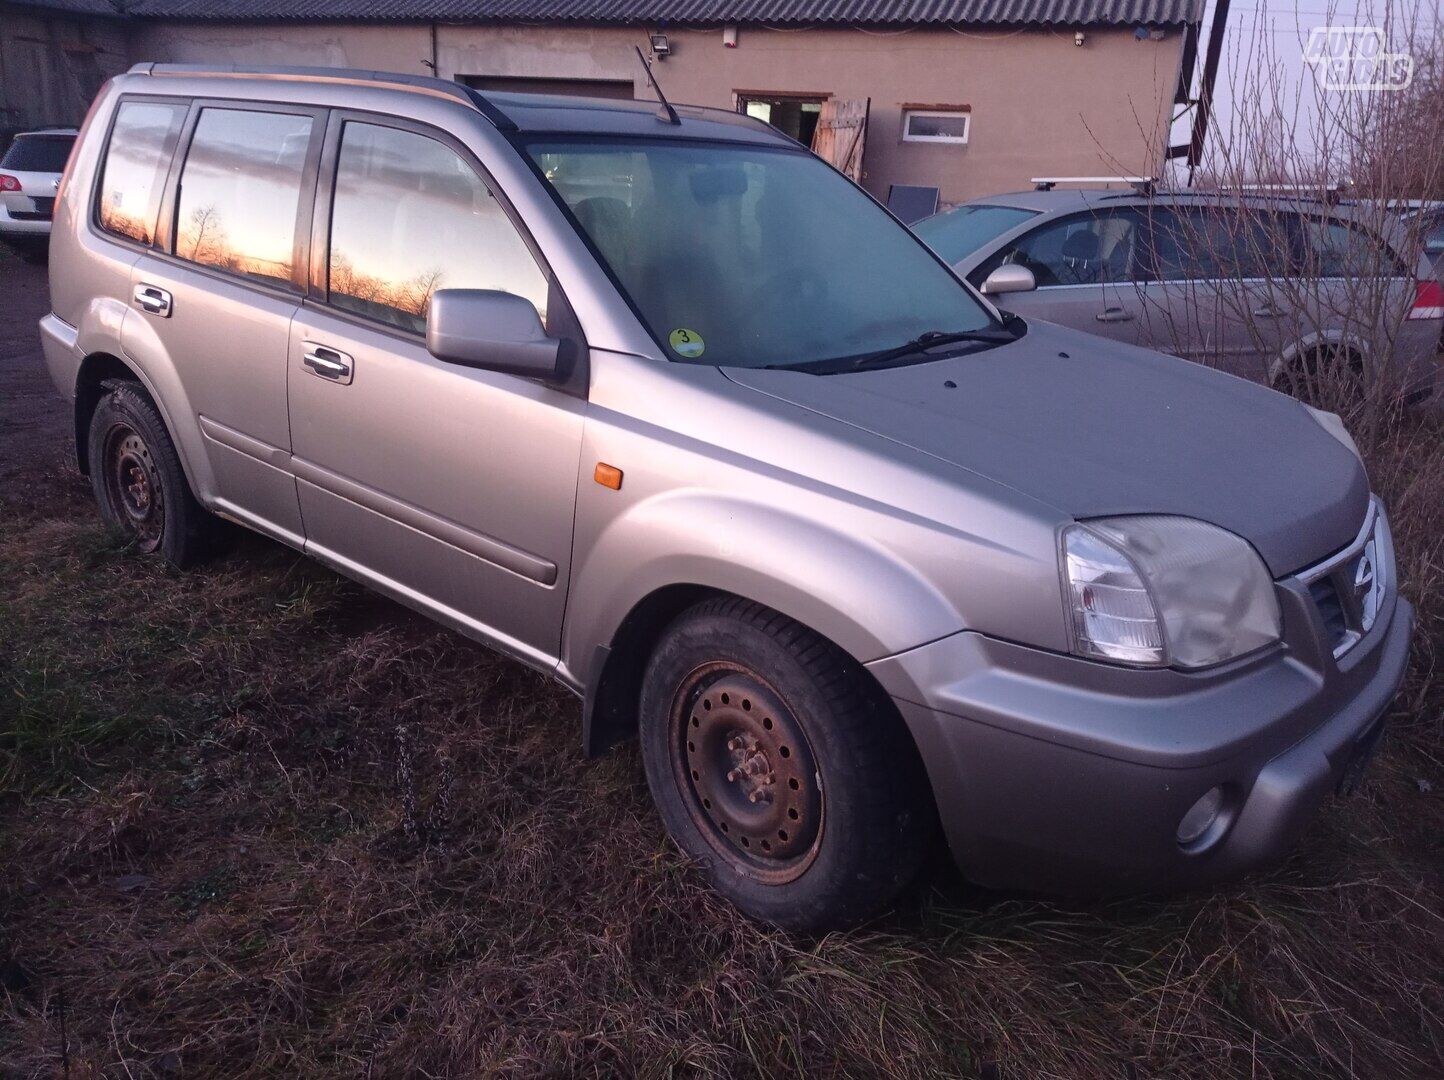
(1142, 184)
(395, 80)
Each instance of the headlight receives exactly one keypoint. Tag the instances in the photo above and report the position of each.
(1334, 425)
(1157, 591)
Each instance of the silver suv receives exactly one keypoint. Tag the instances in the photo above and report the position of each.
(1285, 290)
(853, 554)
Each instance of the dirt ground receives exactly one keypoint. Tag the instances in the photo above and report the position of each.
(257, 822)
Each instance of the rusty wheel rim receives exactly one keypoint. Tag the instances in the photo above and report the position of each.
(133, 486)
(747, 772)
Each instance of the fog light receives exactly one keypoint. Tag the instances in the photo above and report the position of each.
(1200, 817)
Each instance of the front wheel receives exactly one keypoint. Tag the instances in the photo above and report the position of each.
(137, 478)
(778, 765)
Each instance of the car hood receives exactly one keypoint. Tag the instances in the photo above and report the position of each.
(1095, 428)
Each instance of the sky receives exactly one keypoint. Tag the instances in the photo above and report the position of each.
(1276, 31)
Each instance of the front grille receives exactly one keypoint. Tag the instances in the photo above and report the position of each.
(1348, 589)
(1331, 611)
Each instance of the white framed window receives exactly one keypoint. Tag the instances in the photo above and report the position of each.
(937, 125)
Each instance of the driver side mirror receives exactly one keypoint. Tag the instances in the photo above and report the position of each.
(1010, 277)
(491, 330)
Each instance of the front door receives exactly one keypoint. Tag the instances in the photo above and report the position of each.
(1086, 269)
(221, 308)
(449, 488)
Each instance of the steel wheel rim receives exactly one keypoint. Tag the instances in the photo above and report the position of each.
(132, 486)
(746, 772)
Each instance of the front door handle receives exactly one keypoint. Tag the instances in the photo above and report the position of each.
(327, 362)
(1114, 314)
(153, 300)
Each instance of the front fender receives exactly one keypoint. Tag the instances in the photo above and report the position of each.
(845, 586)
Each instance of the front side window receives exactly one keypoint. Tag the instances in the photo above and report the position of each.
(136, 159)
(239, 192)
(751, 256)
(955, 234)
(1085, 249)
(410, 216)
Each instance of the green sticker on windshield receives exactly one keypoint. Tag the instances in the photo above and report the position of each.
(686, 343)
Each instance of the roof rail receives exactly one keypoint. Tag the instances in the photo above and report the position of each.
(420, 84)
(1142, 184)
(1331, 194)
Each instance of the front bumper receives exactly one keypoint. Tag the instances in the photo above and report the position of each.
(1056, 773)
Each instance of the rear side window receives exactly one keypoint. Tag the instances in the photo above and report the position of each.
(136, 159)
(240, 189)
(1336, 250)
(1434, 239)
(38, 153)
(410, 217)
(1201, 244)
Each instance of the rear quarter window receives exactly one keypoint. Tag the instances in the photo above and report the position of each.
(38, 153)
(132, 176)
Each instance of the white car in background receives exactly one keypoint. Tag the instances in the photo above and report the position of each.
(29, 178)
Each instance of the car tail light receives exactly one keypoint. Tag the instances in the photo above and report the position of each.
(8, 183)
(1428, 299)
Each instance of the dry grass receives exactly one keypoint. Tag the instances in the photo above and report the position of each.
(256, 821)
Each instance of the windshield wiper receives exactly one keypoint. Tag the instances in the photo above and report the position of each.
(931, 339)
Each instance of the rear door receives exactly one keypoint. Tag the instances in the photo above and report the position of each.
(1085, 265)
(449, 488)
(1218, 286)
(215, 304)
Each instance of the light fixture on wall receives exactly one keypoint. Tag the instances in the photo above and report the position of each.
(1078, 39)
(661, 47)
(729, 37)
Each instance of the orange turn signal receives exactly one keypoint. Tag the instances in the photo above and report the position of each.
(609, 476)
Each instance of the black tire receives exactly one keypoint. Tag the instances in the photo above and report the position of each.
(138, 481)
(739, 700)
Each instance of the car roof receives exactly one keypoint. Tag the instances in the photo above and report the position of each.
(1069, 199)
(511, 112)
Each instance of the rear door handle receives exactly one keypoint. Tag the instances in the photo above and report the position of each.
(153, 300)
(327, 362)
(1114, 314)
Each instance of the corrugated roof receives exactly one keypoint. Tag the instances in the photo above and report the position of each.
(692, 12)
(76, 7)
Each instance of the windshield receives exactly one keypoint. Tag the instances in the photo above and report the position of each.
(747, 256)
(955, 234)
(38, 153)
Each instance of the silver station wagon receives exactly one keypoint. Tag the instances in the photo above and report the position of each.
(1287, 290)
(857, 557)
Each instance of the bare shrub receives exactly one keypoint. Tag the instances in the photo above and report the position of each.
(1289, 287)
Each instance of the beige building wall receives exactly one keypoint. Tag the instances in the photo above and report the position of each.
(1040, 103)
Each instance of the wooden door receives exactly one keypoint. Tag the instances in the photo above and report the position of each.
(841, 134)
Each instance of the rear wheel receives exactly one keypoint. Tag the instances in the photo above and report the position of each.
(777, 764)
(137, 478)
